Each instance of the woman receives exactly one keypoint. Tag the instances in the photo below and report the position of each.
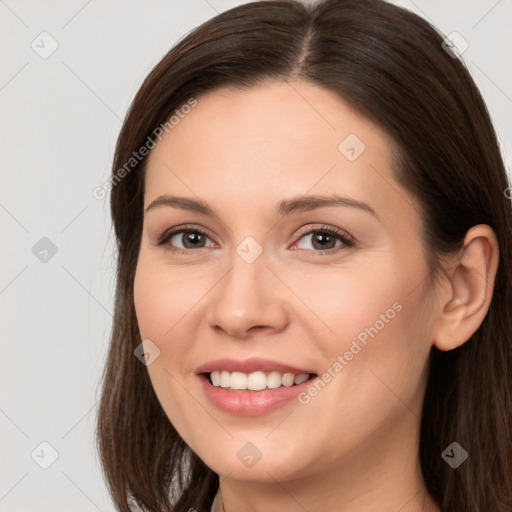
(313, 280)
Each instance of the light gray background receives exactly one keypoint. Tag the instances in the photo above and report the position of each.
(60, 117)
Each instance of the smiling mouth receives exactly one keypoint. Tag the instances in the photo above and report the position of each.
(256, 381)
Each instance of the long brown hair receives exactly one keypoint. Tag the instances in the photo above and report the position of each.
(390, 66)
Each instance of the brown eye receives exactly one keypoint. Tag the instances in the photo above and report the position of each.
(189, 239)
(184, 238)
(326, 240)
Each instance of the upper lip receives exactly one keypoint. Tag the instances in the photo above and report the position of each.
(251, 365)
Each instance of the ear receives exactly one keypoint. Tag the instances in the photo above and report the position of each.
(467, 295)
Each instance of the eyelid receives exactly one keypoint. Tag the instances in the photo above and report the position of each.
(326, 228)
(346, 239)
(163, 237)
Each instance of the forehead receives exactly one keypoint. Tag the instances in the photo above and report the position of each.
(259, 145)
(297, 117)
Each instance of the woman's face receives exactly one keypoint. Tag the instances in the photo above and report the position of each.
(260, 278)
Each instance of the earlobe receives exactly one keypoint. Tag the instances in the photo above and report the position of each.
(464, 305)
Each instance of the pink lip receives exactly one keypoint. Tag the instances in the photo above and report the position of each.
(247, 402)
(250, 403)
(254, 364)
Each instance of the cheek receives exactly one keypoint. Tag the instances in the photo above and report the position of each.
(378, 323)
(160, 303)
(150, 302)
(162, 298)
(344, 301)
(389, 368)
(167, 305)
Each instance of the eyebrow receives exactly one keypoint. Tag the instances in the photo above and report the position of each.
(284, 207)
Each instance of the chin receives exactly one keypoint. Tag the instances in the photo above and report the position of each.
(244, 461)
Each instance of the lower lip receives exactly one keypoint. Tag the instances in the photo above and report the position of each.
(250, 403)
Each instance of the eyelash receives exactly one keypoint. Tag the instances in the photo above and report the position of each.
(348, 241)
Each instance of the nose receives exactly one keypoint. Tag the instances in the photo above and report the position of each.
(248, 300)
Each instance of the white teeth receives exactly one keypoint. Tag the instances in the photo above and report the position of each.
(238, 380)
(215, 376)
(225, 379)
(288, 379)
(256, 381)
(273, 380)
(303, 377)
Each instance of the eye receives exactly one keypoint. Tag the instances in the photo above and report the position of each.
(188, 237)
(324, 239)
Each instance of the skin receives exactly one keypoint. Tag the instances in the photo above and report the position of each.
(354, 446)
